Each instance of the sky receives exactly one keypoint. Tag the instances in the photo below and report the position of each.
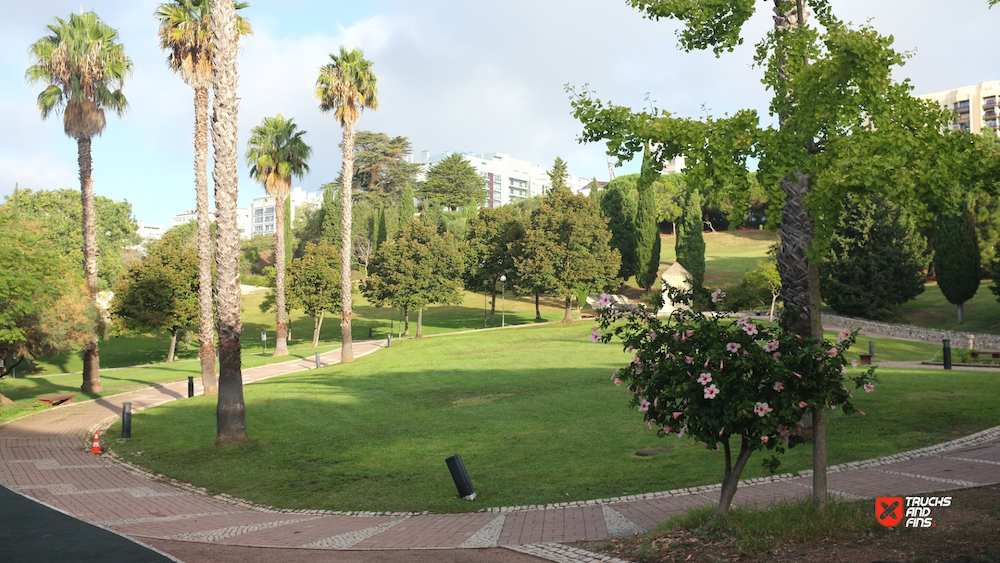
(452, 76)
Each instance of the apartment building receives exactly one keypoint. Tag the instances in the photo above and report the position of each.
(975, 107)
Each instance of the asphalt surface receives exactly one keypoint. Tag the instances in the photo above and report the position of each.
(31, 532)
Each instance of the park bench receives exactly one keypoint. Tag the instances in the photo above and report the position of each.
(995, 354)
(57, 398)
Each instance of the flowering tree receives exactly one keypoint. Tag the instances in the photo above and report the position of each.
(726, 382)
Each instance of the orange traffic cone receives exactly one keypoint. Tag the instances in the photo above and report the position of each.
(96, 449)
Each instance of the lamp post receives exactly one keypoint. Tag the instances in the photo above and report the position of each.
(503, 300)
(486, 291)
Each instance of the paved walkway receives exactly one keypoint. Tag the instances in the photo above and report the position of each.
(44, 456)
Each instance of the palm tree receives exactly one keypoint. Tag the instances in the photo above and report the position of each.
(230, 413)
(275, 153)
(184, 32)
(82, 69)
(346, 86)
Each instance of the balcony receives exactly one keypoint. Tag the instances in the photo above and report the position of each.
(989, 102)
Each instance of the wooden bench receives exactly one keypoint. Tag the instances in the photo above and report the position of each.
(866, 359)
(57, 398)
(995, 354)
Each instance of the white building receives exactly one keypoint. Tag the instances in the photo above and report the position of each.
(508, 179)
(148, 232)
(186, 217)
(975, 107)
(261, 217)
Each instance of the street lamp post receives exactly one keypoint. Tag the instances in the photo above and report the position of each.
(503, 300)
(486, 291)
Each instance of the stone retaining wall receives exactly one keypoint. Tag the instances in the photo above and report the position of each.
(958, 339)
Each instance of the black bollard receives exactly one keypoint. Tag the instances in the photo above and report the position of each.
(369, 333)
(871, 348)
(461, 477)
(126, 420)
(190, 386)
(947, 353)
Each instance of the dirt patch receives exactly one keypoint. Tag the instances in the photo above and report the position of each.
(968, 531)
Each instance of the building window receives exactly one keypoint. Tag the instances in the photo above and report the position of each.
(962, 105)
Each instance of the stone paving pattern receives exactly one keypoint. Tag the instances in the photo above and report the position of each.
(46, 456)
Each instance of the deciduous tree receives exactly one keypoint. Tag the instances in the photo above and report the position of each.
(491, 238)
(314, 284)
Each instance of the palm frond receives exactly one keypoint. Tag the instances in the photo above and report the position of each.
(347, 85)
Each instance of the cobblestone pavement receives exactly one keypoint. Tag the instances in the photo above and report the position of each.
(45, 457)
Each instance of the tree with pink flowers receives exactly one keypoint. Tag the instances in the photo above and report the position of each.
(729, 383)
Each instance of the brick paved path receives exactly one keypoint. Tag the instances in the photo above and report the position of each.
(44, 456)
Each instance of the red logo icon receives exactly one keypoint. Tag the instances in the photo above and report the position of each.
(889, 510)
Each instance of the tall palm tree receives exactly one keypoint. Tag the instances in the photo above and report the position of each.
(185, 33)
(275, 153)
(230, 413)
(346, 86)
(82, 68)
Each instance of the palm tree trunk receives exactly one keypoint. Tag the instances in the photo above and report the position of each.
(91, 358)
(206, 316)
(420, 323)
(317, 326)
(280, 316)
(346, 348)
(231, 426)
(172, 348)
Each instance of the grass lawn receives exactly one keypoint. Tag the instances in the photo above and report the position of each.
(532, 412)
(931, 309)
(727, 254)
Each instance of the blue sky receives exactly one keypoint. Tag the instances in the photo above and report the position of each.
(453, 75)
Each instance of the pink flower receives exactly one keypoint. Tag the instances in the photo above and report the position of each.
(595, 337)
(717, 295)
(638, 369)
(743, 321)
(677, 414)
(803, 404)
(630, 348)
(844, 335)
(854, 363)
(667, 429)
(771, 346)
(783, 430)
(761, 409)
(732, 347)
(604, 301)
(721, 365)
(798, 375)
(750, 329)
(644, 405)
(776, 356)
(721, 431)
(869, 387)
(653, 335)
(862, 412)
(764, 439)
(682, 431)
(689, 333)
(649, 425)
(831, 352)
(711, 391)
(705, 378)
(618, 382)
(843, 370)
(656, 403)
(778, 386)
(689, 359)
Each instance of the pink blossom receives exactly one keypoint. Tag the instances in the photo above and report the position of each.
(618, 382)
(869, 387)
(656, 403)
(844, 335)
(630, 348)
(711, 391)
(732, 347)
(721, 365)
(783, 430)
(831, 352)
(689, 333)
(638, 369)
(644, 405)
(667, 429)
(833, 407)
(803, 404)
(764, 439)
(771, 346)
(705, 378)
(677, 414)
(743, 321)
(595, 337)
(843, 370)
(778, 386)
(682, 431)
(689, 359)
(854, 363)
(649, 425)
(653, 335)
(746, 353)
(604, 301)
(717, 295)
(797, 374)
(750, 329)
(776, 356)
(721, 431)
(761, 409)
(862, 412)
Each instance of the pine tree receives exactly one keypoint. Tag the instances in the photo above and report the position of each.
(647, 229)
(956, 257)
(690, 244)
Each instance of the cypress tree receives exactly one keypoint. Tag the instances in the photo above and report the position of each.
(647, 230)
(407, 209)
(690, 244)
(956, 257)
(329, 231)
(383, 231)
(618, 206)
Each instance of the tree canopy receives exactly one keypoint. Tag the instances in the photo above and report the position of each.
(380, 170)
(453, 183)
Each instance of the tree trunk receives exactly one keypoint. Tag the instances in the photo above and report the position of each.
(91, 359)
(281, 316)
(770, 312)
(961, 313)
(347, 348)
(493, 304)
(420, 323)
(406, 320)
(317, 326)
(231, 426)
(538, 311)
(732, 476)
(819, 458)
(172, 347)
(569, 310)
(206, 315)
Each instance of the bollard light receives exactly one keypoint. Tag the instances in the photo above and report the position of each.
(871, 347)
(190, 386)
(126, 420)
(318, 364)
(947, 353)
(389, 341)
(461, 477)
(369, 333)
